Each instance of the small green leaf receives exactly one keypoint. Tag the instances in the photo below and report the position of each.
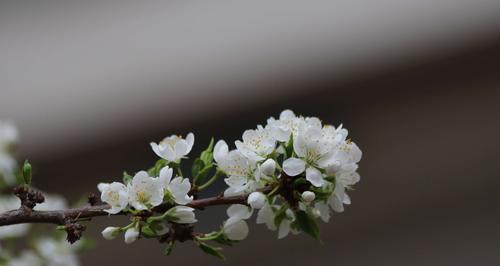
(204, 171)
(126, 178)
(208, 155)
(222, 239)
(27, 172)
(307, 223)
(211, 250)
(289, 147)
(155, 170)
(198, 164)
(148, 231)
(299, 181)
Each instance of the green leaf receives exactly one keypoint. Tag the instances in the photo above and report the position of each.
(27, 172)
(299, 181)
(126, 178)
(198, 164)
(307, 223)
(207, 155)
(211, 250)
(155, 170)
(148, 231)
(203, 172)
(289, 147)
(222, 239)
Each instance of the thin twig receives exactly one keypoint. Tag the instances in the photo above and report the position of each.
(61, 217)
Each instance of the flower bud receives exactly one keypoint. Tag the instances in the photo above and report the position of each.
(268, 167)
(308, 196)
(183, 214)
(256, 200)
(235, 229)
(27, 173)
(110, 232)
(131, 235)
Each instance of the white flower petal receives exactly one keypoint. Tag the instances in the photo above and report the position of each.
(156, 149)
(190, 142)
(220, 150)
(314, 176)
(180, 148)
(293, 166)
(239, 211)
(166, 175)
(284, 229)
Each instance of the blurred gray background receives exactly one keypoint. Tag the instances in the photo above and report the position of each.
(417, 83)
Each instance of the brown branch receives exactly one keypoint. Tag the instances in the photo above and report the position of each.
(60, 217)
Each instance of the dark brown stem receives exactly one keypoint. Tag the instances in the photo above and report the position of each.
(62, 217)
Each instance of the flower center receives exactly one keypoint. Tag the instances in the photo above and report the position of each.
(142, 196)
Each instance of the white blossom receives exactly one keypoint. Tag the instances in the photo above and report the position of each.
(57, 252)
(8, 137)
(8, 134)
(178, 187)
(256, 200)
(115, 194)
(110, 232)
(281, 129)
(26, 258)
(131, 235)
(144, 191)
(315, 151)
(344, 166)
(257, 144)
(183, 214)
(174, 148)
(239, 169)
(235, 229)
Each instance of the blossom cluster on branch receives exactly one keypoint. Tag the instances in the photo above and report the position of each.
(294, 170)
(290, 172)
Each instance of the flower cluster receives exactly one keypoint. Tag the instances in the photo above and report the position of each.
(309, 165)
(149, 189)
(291, 172)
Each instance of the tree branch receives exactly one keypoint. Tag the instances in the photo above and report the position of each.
(60, 217)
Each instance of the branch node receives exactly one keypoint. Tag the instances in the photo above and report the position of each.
(93, 199)
(74, 231)
(29, 197)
